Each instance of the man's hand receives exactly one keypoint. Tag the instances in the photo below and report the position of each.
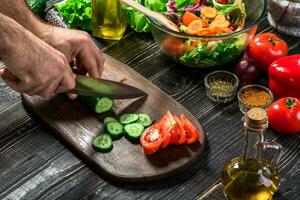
(76, 45)
(33, 66)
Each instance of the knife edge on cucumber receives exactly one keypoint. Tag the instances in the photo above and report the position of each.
(98, 104)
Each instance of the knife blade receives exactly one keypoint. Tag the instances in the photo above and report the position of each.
(88, 86)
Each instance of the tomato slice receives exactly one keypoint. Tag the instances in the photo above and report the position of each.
(180, 131)
(151, 140)
(165, 125)
(191, 131)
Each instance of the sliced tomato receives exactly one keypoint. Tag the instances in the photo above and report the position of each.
(165, 125)
(175, 135)
(191, 131)
(180, 131)
(151, 140)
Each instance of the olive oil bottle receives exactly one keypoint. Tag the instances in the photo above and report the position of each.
(109, 20)
(253, 176)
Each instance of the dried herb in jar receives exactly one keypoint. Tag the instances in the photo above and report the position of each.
(221, 88)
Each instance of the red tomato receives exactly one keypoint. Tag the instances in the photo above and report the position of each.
(174, 47)
(223, 1)
(284, 115)
(191, 131)
(265, 48)
(180, 131)
(165, 125)
(151, 140)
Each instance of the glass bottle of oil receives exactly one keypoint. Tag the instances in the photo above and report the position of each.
(109, 19)
(253, 176)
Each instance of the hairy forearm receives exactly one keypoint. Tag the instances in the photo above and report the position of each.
(20, 12)
(10, 31)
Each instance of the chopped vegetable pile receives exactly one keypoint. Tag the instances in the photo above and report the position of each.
(170, 129)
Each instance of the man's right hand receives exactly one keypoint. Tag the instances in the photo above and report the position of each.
(33, 66)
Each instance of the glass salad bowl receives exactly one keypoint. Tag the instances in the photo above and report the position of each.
(209, 51)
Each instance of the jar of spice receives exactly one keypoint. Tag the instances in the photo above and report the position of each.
(254, 96)
(221, 86)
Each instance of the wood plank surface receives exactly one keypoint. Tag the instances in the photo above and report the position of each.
(39, 166)
(77, 125)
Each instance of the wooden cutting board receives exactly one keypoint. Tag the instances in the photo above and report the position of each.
(77, 125)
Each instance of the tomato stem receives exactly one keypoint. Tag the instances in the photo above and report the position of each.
(290, 102)
(272, 41)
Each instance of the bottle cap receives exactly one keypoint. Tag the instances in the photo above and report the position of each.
(256, 118)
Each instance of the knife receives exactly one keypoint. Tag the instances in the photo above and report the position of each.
(88, 86)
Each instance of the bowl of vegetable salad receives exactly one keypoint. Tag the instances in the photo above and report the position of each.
(211, 32)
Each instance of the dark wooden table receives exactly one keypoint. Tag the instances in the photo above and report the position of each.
(35, 164)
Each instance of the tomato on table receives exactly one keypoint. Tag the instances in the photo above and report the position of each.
(151, 140)
(284, 115)
(265, 48)
(191, 131)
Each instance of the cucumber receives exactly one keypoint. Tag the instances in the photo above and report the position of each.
(99, 105)
(115, 130)
(103, 143)
(109, 119)
(134, 131)
(129, 118)
(144, 119)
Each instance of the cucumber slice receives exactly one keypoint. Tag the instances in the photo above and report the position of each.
(109, 119)
(115, 130)
(134, 131)
(129, 118)
(103, 143)
(99, 105)
(145, 119)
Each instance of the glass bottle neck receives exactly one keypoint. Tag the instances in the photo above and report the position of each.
(252, 144)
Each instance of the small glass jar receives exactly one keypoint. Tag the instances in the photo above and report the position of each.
(244, 106)
(221, 86)
(109, 19)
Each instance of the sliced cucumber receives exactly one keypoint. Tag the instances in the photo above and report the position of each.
(145, 119)
(99, 105)
(133, 131)
(109, 119)
(115, 129)
(129, 118)
(103, 143)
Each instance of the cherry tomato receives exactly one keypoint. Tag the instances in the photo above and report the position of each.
(191, 131)
(265, 48)
(223, 1)
(151, 140)
(284, 115)
(174, 47)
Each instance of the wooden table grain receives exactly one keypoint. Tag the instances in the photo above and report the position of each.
(34, 164)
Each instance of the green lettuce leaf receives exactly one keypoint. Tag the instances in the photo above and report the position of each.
(137, 20)
(183, 3)
(214, 52)
(236, 12)
(77, 13)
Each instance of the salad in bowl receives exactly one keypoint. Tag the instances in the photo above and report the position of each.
(211, 32)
